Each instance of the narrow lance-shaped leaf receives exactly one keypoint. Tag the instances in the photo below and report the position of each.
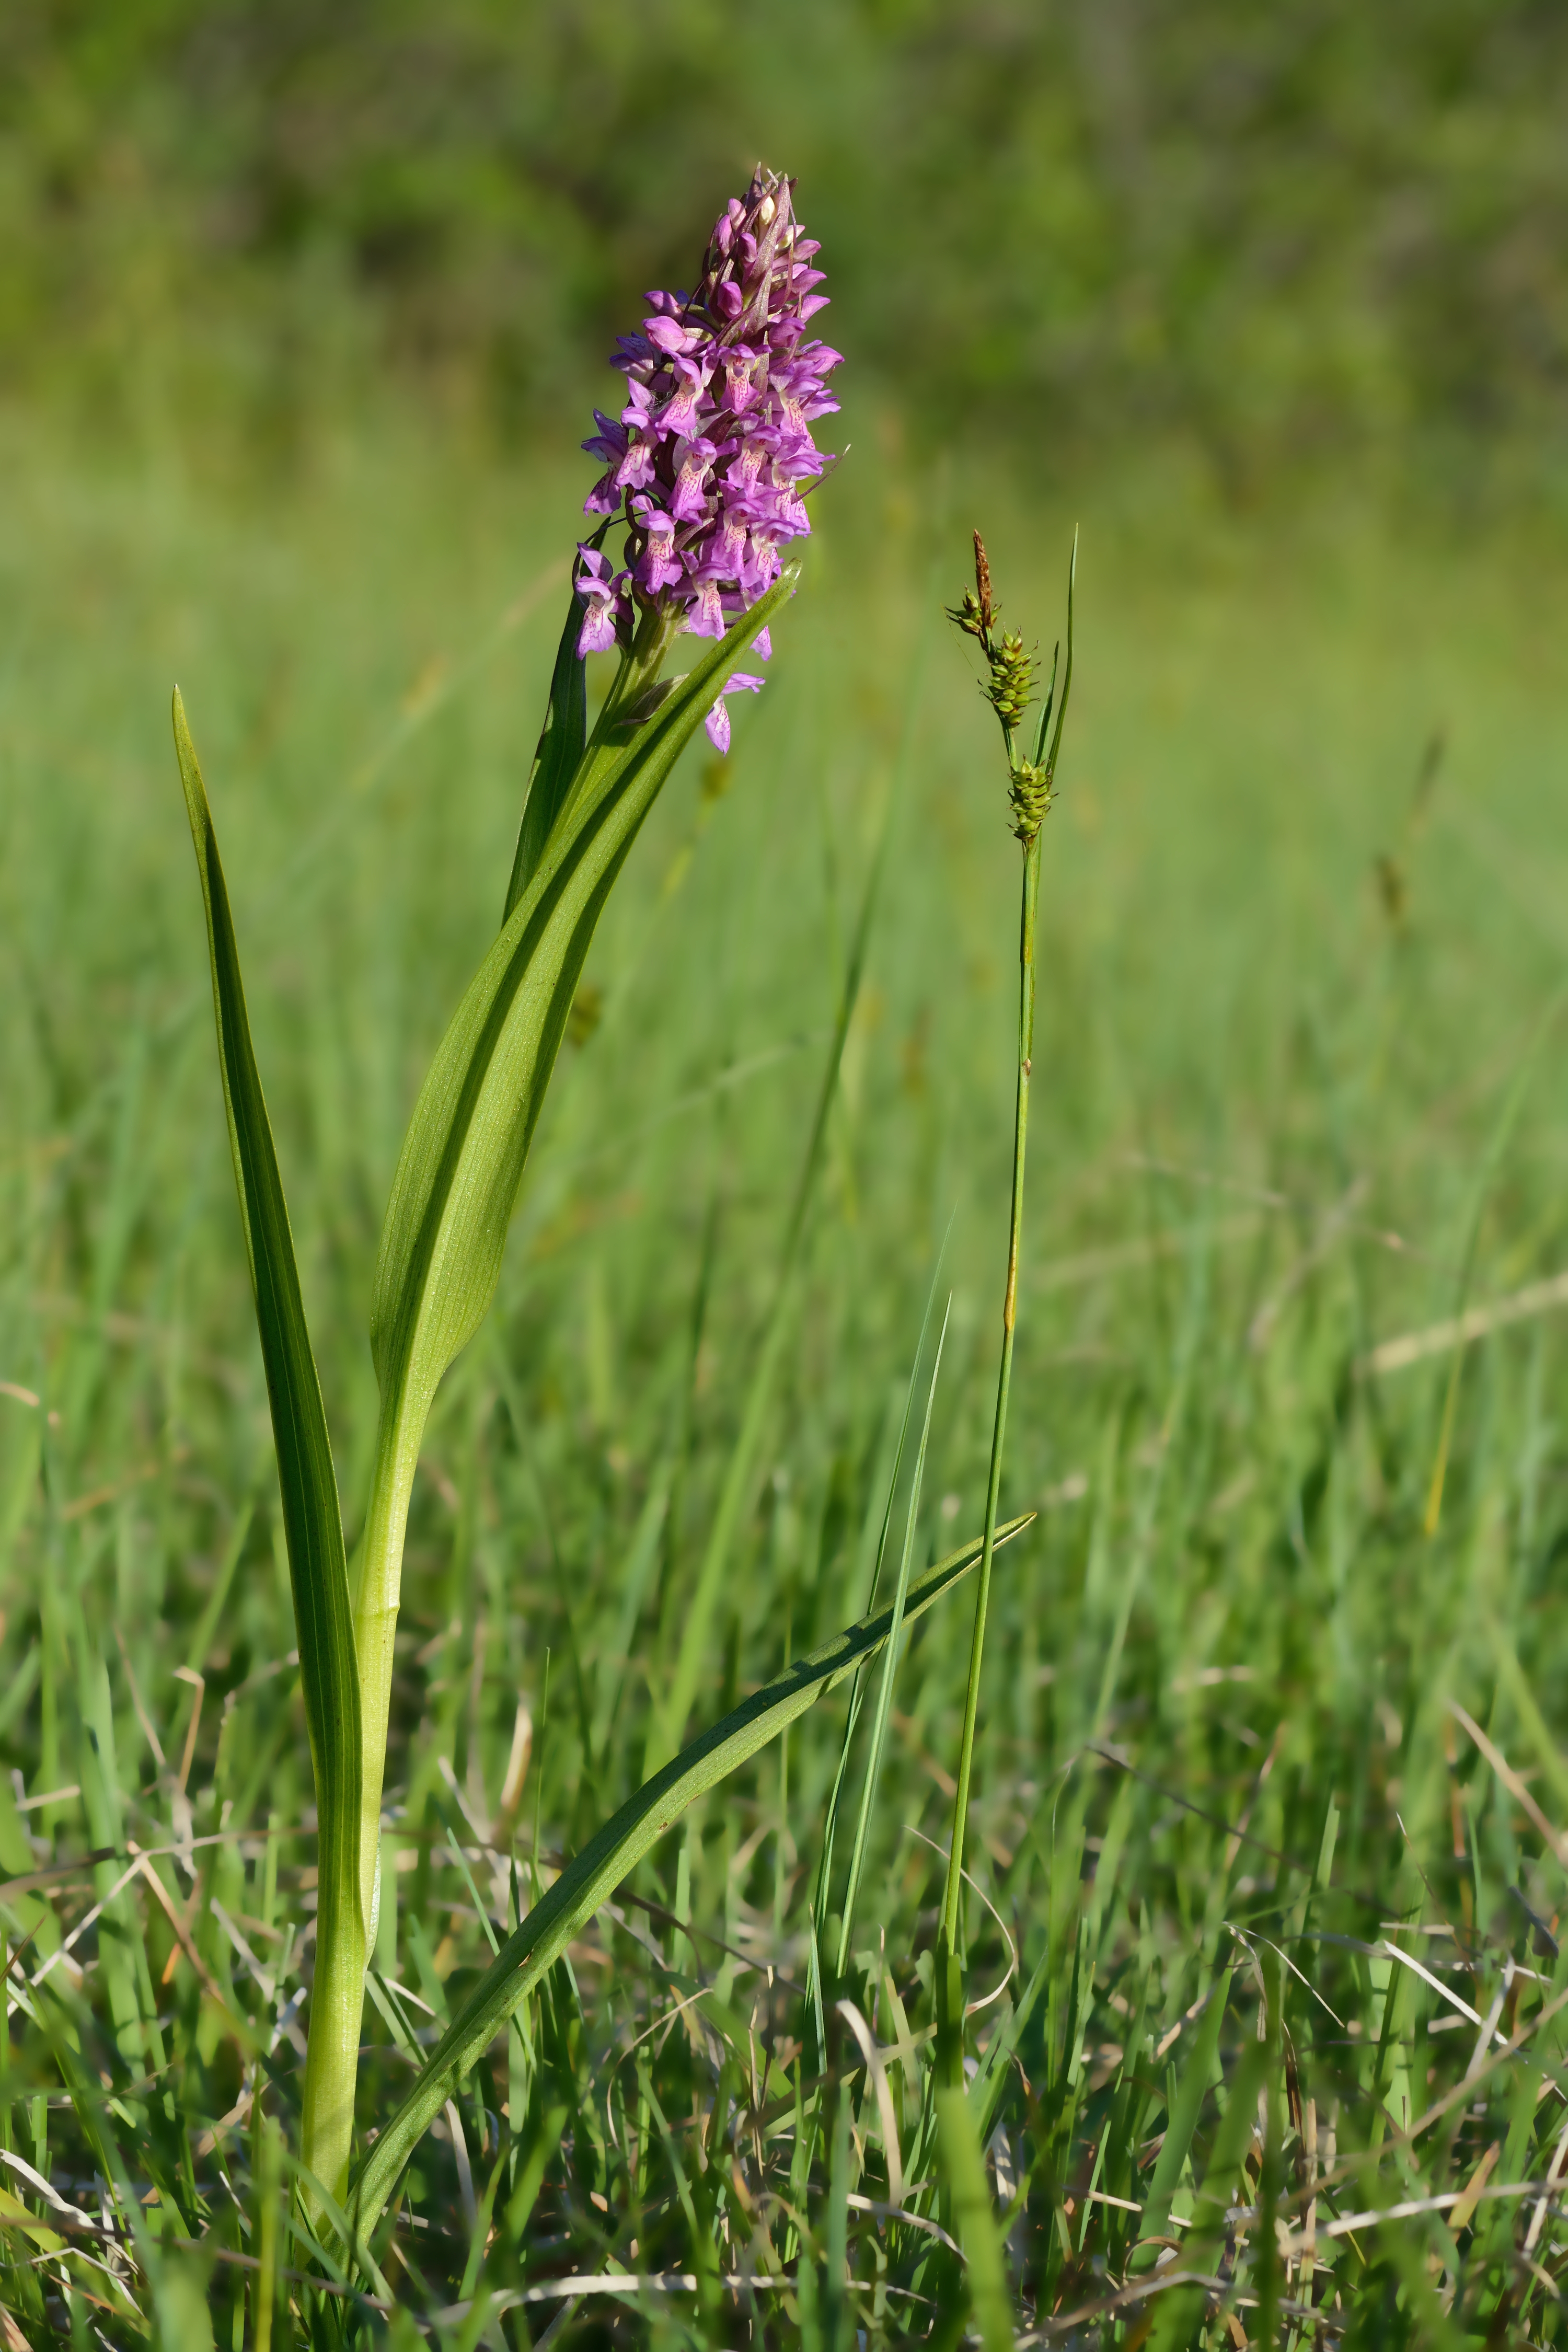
(592, 1878)
(560, 748)
(975, 2220)
(463, 1157)
(312, 1523)
(1180, 2123)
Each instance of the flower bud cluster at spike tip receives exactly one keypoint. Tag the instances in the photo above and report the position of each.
(711, 458)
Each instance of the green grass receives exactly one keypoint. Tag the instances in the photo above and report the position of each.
(1247, 1076)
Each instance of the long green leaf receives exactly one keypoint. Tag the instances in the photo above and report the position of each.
(1203, 2242)
(312, 1522)
(463, 1156)
(1182, 2122)
(561, 746)
(588, 1882)
(975, 2218)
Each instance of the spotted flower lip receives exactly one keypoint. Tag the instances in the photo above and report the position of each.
(712, 453)
(608, 607)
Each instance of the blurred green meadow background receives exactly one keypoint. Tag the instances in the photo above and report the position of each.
(302, 314)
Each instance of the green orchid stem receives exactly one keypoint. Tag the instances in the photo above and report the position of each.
(331, 2055)
(468, 1143)
(950, 1957)
(376, 1600)
(406, 1409)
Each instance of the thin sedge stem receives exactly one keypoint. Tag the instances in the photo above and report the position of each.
(1030, 901)
(949, 1960)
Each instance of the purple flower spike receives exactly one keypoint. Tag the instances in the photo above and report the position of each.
(712, 453)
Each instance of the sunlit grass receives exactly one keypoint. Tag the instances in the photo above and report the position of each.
(1265, 1091)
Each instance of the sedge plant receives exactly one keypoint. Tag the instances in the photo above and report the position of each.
(1008, 687)
(705, 469)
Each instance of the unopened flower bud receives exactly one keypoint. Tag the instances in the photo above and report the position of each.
(968, 616)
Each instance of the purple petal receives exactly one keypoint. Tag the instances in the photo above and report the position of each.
(764, 646)
(597, 634)
(717, 725)
(706, 619)
(671, 336)
(636, 469)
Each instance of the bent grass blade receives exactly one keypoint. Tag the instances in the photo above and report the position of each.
(467, 1144)
(588, 1882)
(312, 1521)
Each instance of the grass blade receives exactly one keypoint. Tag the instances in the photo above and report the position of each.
(312, 1522)
(852, 1720)
(975, 2220)
(890, 1659)
(598, 1870)
(1182, 2122)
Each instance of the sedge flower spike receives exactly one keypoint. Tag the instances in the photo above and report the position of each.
(712, 456)
(1011, 672)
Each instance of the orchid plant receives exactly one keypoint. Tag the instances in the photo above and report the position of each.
(707, 466)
